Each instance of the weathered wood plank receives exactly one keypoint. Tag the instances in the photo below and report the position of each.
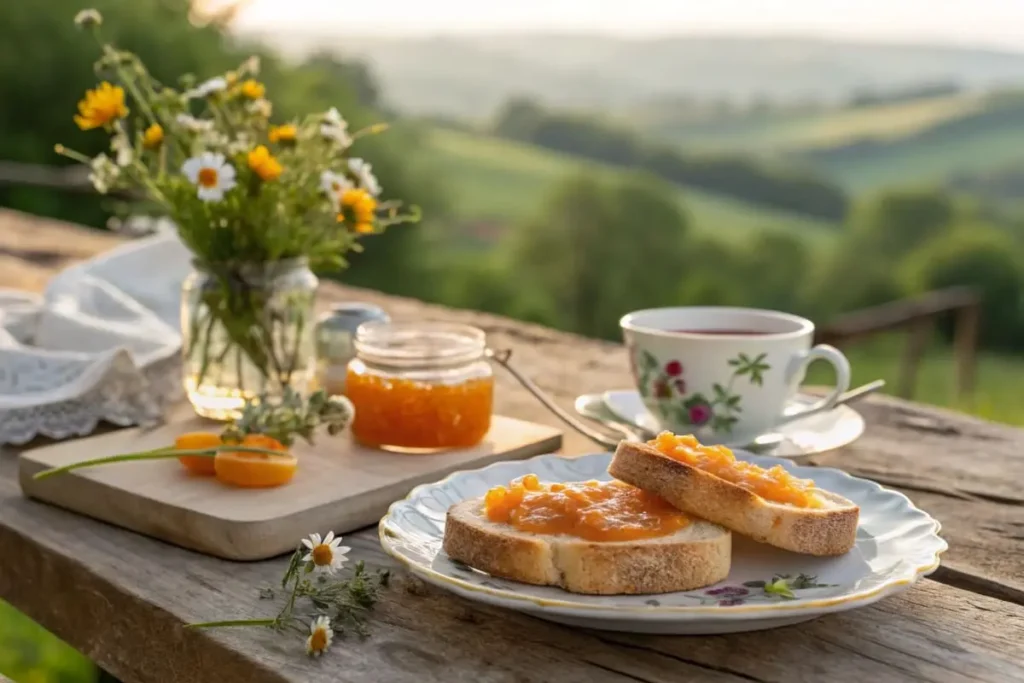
(964, 471)
(99, 587)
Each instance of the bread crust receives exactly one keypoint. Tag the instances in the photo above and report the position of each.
(831, 530)
(696, 556)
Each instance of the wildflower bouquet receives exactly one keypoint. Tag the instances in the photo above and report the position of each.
(260, 204)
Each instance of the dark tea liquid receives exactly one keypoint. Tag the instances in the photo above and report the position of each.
(745, 333)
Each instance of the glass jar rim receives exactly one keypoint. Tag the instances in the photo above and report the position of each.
(418, 343)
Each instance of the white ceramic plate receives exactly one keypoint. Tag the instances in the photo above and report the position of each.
(896, 544)
(819, 433)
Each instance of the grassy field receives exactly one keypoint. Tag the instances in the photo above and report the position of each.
(871, 147)
(499, 182)
(29, 654)
(774, 132)
(931, 159)
(997, 398)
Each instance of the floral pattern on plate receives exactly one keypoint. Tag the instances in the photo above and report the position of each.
(897, 543)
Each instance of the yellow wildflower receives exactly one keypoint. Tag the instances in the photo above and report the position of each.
(101, 106)
(253, 89)
(264, 164)
(360, 206)
(153, 136)
(285, 133)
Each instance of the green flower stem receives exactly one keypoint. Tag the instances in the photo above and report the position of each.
(72, 154)
(236, 622)
(156, 454)
(130, 84)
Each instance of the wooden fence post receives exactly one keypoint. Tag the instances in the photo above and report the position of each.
(917, 342)
(965, 347)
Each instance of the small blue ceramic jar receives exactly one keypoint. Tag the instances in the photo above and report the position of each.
(335, 333)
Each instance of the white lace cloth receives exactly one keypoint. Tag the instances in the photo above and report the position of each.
(102, 343)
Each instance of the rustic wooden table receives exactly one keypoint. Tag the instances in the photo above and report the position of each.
(122, 598)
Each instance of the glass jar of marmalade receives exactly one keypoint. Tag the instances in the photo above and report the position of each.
(420, 386)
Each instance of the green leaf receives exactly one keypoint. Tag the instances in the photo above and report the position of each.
(757, 379)
(807, 581)
(733, 362)
(720, 393)
(744, 357)
(754, 584)
(759, 358)
(742, 371)
(734, 402)
(696, 399)
(779, 587)
(648, 359)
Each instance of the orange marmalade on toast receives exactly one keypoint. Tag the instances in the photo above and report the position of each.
(592, 510)
(774, 484)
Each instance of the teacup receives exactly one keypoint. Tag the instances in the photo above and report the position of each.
(725, 374)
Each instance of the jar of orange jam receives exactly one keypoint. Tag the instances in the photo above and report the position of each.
(420, 386)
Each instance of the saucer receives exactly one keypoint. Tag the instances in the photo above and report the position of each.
(818, 433)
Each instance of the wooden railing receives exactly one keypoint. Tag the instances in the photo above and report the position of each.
(917, 316)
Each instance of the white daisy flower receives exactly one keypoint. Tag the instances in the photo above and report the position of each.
(207, 88)
(251, 65)
(320, 635)
(334, 184)
(88, 18)
(211, 174)
(194, 125)
(122, 147)
(214, 139)
(103, 173)
(334, 127)
(261, 107)
(327, 555)
(242, 143)
(334, 117)
(364, 173)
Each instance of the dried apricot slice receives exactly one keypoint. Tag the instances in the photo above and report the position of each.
(197, 464)
(256, 470)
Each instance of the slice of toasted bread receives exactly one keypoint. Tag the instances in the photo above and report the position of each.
(830, 530)
(697, 555)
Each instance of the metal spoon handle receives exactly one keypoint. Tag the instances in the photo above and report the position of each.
(601, 439)
(860, 392)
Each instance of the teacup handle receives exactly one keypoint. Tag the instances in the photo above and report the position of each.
(838, 361)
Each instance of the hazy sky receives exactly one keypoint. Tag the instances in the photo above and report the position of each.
(997, 23)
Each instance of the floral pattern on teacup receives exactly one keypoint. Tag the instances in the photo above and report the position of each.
(663, 385)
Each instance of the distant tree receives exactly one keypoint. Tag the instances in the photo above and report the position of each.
(602, 248)
(983, 257)
(712, 275)
(860, 270)
(774, 267)
(354, 73)
(896, 221)
(518, 119)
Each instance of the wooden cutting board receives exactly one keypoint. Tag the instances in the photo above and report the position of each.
(340, 486)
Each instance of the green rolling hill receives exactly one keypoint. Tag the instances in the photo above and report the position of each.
(496, 183)
(865, 148)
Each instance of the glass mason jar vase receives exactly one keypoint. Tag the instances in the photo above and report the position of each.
(420, 386)
(248, 331)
